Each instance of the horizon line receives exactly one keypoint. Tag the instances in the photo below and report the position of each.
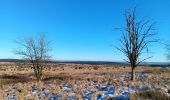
(57, 60)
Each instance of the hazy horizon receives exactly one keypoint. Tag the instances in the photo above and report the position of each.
(79, 30)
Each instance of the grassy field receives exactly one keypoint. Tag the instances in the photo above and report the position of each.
(13, 73)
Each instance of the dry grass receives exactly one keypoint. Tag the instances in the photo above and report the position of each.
(150, 95)
(11, 73)
(6, 79)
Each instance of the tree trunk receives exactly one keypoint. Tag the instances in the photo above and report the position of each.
(133, 74)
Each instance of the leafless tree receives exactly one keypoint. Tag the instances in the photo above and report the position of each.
(168, 51)
(136, 38)
(36, 52)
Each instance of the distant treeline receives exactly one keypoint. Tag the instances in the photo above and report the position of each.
(152, 64)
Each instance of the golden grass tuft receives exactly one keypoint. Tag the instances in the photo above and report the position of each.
(150, 95)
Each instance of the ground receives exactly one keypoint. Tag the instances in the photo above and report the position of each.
(81, 81)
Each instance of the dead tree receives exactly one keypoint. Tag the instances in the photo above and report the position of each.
(36, 52)
(168, 51)
(136, 38)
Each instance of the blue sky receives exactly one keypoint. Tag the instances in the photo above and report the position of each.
(79, 29)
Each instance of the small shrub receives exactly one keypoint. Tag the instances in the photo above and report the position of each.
(95, 68)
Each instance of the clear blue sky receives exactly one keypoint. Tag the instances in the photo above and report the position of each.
(79, 29)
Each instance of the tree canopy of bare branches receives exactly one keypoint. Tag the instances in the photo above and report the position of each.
(168, 51)
(36, 52)
(136, 38)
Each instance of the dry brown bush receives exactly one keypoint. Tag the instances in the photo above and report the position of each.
(150, 95)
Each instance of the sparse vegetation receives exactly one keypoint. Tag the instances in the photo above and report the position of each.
(53, 74)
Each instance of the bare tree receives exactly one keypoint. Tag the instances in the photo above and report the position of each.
(168, 51)
(136, 38)
(36, 52)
